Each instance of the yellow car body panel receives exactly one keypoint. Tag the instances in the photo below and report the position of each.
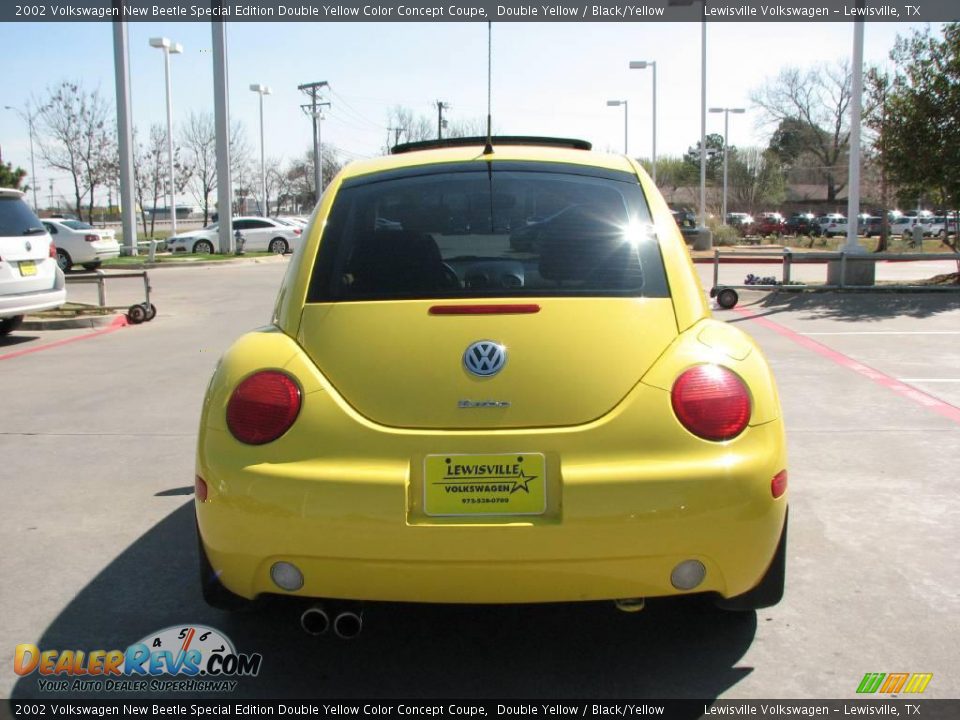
(629, 491)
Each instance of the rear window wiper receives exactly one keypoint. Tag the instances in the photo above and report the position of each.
(34, 231)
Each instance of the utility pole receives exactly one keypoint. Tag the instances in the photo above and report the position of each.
(441, 106)
(312, 91)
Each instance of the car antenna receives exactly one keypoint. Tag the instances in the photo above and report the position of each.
(488, 148)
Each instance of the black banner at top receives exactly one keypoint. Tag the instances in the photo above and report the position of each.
(479, 10)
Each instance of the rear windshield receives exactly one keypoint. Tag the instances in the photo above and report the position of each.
(17, 219)
(488, 232)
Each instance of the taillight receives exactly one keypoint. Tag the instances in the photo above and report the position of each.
(263, 407)
(778, 486)
(53, 250)
(91, 238)
(200, 488)
(297, 231)
(711, 402)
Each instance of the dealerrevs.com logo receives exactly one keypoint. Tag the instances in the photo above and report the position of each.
(181, 658)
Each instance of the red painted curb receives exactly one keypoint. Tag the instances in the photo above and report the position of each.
(118, 322)
(911, 393)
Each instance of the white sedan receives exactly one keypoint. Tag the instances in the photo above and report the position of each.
(79, 243)
(259, 234)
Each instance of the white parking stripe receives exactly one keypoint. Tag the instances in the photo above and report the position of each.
(930, 380)
(886, 332)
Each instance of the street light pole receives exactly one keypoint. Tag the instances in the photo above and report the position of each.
(33, 169)
(262, 90)
(169, 48)
(726, 147)
(640, 65)
(618, 103)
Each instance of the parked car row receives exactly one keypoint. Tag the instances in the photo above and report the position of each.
(276, 235)
(835, 224)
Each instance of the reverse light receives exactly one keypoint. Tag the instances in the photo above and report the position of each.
(711, 402)
(263, 407)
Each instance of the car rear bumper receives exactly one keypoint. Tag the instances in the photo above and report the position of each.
(615, 526)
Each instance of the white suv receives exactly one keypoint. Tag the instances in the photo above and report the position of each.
(30, 279)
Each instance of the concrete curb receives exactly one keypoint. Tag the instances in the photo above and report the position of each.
(39, 322)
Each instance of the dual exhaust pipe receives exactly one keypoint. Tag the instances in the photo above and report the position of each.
(346, 622)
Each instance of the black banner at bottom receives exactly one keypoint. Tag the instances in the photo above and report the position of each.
(921, 709)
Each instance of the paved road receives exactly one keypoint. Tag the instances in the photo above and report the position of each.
(98, 437)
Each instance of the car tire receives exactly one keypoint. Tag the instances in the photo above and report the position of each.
(769, 591)
(727, 298)
(9, 324)
(64, 260)
(91, 266)
(214, 593)
(278, 246)
(203, 247)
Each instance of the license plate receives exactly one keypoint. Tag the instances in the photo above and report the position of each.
(469, 485)
(28, 267)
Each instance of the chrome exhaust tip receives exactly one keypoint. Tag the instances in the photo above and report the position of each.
(630, 605)
(348, 624)
(315, 620)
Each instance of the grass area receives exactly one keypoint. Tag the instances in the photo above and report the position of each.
(181, 259)
(804, 242)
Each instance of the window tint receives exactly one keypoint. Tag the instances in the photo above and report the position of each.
(51, 228)
(502, 233)
(16, 218)
(258, 224)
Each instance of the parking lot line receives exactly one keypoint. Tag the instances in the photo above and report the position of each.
(885, 332)
(918, 396)
(118, 322)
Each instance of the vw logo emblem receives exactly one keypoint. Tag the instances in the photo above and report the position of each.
(29, 246)
(485, 358)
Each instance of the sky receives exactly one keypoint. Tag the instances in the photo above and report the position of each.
(548, 78)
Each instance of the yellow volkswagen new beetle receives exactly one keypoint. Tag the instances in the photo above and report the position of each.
(492, 376)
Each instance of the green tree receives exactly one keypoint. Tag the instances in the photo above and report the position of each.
(921, 152)
(714, 157)
(10, 178)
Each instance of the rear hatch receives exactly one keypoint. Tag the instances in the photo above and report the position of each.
(552, 269)
(25, 262)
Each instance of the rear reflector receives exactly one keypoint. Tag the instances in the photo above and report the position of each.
(263, 407)
(711, 402)
(200, 488)
(778, 486)
(528, 309)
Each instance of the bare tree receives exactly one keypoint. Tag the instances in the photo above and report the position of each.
(300, 174)
(77, 137)
(810, 111)
(278, 186)
(199, 140)
(148, 173)
(151, 174)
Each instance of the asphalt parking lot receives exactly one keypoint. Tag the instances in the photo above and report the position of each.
(98, 431)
